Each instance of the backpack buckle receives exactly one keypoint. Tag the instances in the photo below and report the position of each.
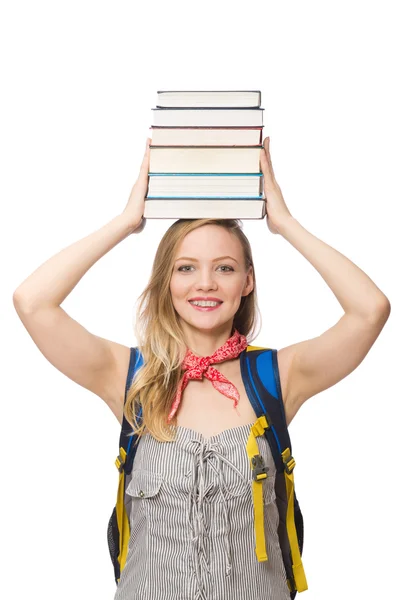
(259, 468)
(289, 464)
(120, 464)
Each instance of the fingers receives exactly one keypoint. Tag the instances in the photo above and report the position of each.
(146, 159)
(267, 150)
(147, 151)
(265, 160)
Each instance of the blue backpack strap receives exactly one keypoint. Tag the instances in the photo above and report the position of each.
(128, 441)
(261, 377)
(262, 381)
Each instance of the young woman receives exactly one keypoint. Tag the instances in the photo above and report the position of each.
(194, 538)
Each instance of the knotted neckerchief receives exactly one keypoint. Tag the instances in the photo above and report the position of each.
(198, 366)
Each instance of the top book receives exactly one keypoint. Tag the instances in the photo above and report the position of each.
(209, 99)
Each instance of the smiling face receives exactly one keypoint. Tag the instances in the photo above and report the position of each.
(217, 271)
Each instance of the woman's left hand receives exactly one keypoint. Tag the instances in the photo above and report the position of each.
(276, 208)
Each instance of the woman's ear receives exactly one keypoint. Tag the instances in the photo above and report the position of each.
(249, 284)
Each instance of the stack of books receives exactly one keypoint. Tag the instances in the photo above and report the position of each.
(205, 156)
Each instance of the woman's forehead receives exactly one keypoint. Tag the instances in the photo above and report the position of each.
(209, 239)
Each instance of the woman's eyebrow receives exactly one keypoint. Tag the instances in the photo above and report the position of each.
(196, 260)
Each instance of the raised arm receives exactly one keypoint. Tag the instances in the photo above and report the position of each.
(93, 362)
(313, 365)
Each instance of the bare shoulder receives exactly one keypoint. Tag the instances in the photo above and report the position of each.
(316, 364)
(285, 358)
(116, 380)
(97, 364)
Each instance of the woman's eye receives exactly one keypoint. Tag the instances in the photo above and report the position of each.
(185, 266)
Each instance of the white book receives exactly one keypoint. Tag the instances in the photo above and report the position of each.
(186, 117)
(204, 159)
(205, 185)
(206, 136)
(186, 208)
(209, 98)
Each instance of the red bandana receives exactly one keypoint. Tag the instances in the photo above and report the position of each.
(197, 366)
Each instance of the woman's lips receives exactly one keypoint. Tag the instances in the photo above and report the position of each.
(205, 308)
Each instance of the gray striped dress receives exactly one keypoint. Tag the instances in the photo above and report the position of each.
(192, 522)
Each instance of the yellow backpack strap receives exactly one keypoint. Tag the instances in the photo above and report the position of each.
(297, 566)
(259, 475)
(122, 517)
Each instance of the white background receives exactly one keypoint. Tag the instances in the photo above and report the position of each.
(79, 80)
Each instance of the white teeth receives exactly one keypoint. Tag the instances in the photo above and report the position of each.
(202, 303)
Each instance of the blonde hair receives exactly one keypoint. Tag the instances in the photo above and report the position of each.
(160, 336)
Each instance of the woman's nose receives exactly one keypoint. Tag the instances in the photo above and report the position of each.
(206, 279)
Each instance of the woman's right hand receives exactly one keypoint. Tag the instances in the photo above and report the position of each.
(135, 208)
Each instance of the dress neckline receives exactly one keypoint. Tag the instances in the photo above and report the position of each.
(231, 431)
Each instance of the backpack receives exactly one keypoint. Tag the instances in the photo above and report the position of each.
(260, 374)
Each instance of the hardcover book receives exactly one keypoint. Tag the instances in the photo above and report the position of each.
(205, 155)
